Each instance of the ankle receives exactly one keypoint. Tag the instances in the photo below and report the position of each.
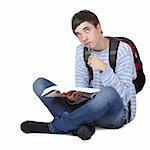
(34, 127)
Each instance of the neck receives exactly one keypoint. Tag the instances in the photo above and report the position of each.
(103, 44)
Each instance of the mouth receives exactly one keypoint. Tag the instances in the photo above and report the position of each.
(88, 44)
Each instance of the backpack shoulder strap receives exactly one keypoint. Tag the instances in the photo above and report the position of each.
(113, 47)
(90, 71)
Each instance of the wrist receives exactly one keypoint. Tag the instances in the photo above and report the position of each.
(103, 68)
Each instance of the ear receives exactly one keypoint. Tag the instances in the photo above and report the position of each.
(98, 27)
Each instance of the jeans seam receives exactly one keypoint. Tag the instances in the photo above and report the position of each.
(51, 128)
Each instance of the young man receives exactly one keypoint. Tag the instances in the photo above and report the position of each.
(109, 107)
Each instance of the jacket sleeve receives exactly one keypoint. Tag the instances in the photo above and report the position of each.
(122, 79)
(81, 71)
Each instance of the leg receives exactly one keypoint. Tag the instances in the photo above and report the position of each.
(114, 118)
(34, 127)
(56, 107)
(91, 111)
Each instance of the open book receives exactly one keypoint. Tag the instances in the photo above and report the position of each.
(58, 91)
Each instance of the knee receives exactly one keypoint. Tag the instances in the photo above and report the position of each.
(108, 89)
(109, 92)
(108, 95)
(40, 84)
(37, 82)
(112, 96)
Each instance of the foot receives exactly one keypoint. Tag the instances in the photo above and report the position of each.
(34, 127)
(85, 132)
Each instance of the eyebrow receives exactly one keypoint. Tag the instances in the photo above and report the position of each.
(85, 28)
(82, 29)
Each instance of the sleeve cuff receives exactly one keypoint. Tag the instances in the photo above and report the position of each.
(106, 74)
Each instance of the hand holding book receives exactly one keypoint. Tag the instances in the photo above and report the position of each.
(72, 93)
(76, 95)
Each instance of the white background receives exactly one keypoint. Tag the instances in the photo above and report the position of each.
(36, 40)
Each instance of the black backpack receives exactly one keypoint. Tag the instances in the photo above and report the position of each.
(113, 47)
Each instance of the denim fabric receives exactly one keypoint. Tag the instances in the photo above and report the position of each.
(54, 105)
(105, 109)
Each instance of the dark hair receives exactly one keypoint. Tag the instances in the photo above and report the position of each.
(82, 16)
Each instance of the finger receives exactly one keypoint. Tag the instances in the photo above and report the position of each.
(89, 63)
(75, 94)
(90, 58)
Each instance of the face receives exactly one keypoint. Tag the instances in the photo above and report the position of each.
(88, 34)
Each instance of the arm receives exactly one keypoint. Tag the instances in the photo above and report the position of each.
(81, 71)
(122, 79)
(81, 78)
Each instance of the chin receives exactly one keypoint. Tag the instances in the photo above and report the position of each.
(91, 47)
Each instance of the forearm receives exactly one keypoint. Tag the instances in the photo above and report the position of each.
(109, 78)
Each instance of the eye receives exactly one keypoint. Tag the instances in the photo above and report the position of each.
(78, 35)
(87, 30)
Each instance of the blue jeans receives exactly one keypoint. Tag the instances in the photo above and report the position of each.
(106, 109)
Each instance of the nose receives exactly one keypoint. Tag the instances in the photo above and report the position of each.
(84, 38)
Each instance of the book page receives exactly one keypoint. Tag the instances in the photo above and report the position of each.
(58, 90)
